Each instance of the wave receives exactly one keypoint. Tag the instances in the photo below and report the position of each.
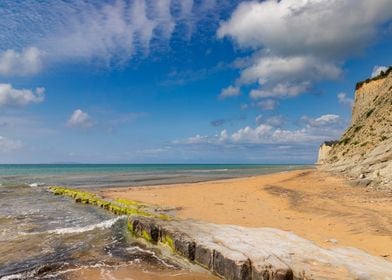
(34, 185)
(69, 230)
(12, 277)
(101, 225)
(208, 170)
(133, 249)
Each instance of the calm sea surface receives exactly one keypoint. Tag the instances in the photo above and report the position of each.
(43, 236)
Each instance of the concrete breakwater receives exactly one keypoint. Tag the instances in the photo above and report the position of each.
(234, 252)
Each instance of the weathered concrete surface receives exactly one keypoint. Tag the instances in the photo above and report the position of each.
(235, 252)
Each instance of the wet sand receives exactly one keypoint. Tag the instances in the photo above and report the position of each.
(313, 204)
(135, 273)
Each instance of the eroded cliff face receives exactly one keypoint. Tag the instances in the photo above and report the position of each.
(364, 152)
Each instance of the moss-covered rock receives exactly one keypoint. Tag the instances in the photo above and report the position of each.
(117, 206)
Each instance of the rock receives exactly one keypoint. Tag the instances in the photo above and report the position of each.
(239, 253)
(365, 149)
(362, 182)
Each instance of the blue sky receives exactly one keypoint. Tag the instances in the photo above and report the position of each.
(183, 81)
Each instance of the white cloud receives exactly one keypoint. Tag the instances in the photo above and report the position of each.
(252, 135)
(186, 8)
(324, 28)
(9, 145)
(198, 139)
(377, 70)
(230, 92)
(80, 119)
(280, 90)
(26, 62)
(259, 119)
(11, 97)
(270, 132)
(324, 120)
(267, 68)
(299, 42)
(105, 32)
(344, 100)
(268, 104)
(275, 121)
(163, 17)
(143, 26)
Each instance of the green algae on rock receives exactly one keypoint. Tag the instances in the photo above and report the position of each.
(239, 253)
(116, 206)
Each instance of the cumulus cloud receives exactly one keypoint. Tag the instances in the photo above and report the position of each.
(320, 27)
(377, 70)
(270, 131)
(278, 69)
(26, 62)
(230, 92)
(9, 145)
(80, 119)
(345, 100)
(297, 43)
(12, 97)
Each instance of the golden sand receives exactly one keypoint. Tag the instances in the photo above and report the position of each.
(313, 204)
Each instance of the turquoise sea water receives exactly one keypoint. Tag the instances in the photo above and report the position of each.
(43, 236)
(104, 175)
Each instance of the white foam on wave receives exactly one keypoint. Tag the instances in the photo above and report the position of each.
(151, 253)
(209, 170)
(78, 229)
(12, 277)
(101, 225)
(37, 184)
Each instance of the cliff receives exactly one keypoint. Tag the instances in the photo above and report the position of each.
(364, 152)
(324, 150)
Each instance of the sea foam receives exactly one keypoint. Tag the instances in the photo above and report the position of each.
(78, 229)
(101, 225)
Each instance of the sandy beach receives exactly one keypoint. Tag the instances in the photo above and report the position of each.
(313, 204)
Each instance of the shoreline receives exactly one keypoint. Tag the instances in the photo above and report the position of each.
(332, 213)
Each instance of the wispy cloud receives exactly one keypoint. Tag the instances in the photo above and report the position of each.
(345, 100)
(229, 121)
(230, 91)
(8, 145)
(110, 33)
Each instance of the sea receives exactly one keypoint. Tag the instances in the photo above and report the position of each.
(43, 236)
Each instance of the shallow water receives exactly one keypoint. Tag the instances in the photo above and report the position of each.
(105, 175)
(43, 236)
